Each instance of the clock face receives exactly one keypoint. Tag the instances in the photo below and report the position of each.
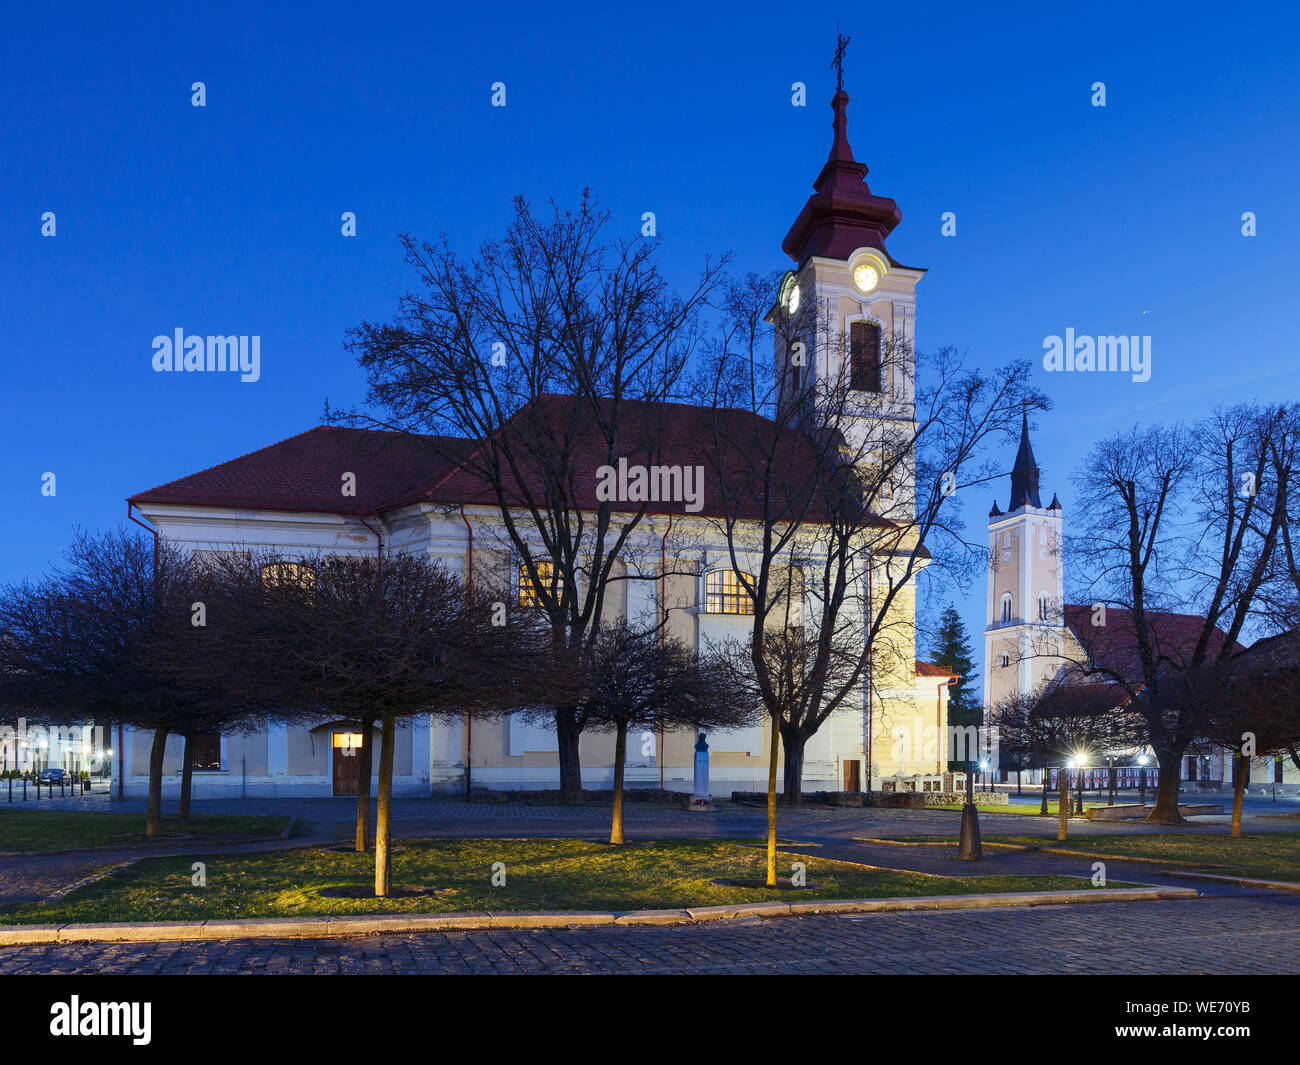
(791, 296)
(865, 277)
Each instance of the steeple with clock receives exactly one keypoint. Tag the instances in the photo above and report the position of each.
(845, 314)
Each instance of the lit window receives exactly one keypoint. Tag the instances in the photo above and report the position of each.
(207, 752)
(530, 594)
(288, 575)
(724, 594)
(1006, 608)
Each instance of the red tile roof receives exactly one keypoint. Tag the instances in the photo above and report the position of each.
(929, 669)
(304, 472)
(1113, 646)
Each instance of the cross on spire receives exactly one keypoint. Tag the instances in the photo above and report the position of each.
(841, 43)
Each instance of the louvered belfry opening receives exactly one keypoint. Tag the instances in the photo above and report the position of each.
(864, 357)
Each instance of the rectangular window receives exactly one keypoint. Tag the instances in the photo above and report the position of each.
(724, 594)
(530, 595)
(207, 751)
(864, 357)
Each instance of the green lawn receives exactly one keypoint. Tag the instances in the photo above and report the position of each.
(1275, 856)
(540, 875)
(57, 830)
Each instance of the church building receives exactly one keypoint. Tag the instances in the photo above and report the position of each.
(1033, 636)
(411, 497)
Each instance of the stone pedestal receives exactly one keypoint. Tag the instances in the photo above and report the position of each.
(700, 797)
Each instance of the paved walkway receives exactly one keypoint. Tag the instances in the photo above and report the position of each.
(1220, 936)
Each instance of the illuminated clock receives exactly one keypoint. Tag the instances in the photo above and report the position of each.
(866, 277)
(790, 295)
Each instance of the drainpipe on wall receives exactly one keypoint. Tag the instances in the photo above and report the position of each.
(469, 584)
(663, 630)
(121, 755)
(871, 674)
(378, 536)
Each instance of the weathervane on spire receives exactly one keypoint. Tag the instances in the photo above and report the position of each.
(841, 43)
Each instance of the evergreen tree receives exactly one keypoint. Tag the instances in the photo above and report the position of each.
(952, 651)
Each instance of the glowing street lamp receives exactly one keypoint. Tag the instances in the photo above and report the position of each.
(1078, 761)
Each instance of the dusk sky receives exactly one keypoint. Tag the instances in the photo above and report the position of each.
(1122, 219)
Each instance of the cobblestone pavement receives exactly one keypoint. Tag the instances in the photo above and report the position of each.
(1219, 936)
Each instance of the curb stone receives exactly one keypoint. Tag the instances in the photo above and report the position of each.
(1240, 881)
(389, 924)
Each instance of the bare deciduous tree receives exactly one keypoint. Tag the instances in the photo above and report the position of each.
(551, 354)
(836, 494)
(1179, 542)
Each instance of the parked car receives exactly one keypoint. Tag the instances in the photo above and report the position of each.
(53, 776)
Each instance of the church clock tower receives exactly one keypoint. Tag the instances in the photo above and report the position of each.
(844, 329)
(1024, 641)
(846, 311)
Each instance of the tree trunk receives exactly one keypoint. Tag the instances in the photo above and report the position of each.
(1165, 810)
(366, 754)
(620, 756)
(1063, 812)
(1239, 792)
(792, 740)
(568, 735)
(773, 750)
(153, 816)
(187, 777)
(383, 838)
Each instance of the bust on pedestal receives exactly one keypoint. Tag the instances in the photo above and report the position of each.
(700, 797)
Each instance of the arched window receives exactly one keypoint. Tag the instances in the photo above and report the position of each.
(1005, 660)
(864, 357)
(530, 594)
(724, 594)
(1005, 612)
(1044, 607)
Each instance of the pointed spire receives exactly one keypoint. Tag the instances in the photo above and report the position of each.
(842, 215)
(1024, 474)
(1055, 504)
(840, 150)
(994, 512)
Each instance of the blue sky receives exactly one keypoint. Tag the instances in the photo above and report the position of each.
(225, 219)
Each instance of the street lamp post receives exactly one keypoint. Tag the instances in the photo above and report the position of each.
(1142, 779)
(968, 848)
(1078, 806)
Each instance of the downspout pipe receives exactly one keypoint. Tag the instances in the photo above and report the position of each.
(469, 584)
(663, 630)
(379, 539)
(121, 756)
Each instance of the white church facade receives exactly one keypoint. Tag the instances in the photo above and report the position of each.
(285, 497)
